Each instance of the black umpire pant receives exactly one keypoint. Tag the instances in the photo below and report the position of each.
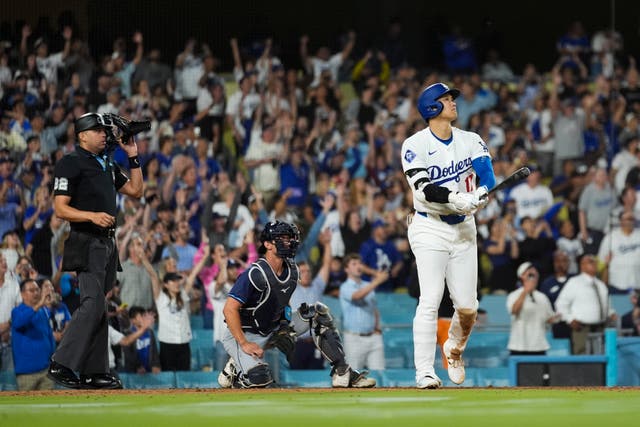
(84, 345)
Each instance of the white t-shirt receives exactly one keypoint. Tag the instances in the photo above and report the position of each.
(529, 326)
(573, 248)
(532, 202)
(218, 299)
(249, 105)
(188, 78)
(174, 326)
(265, 177)
(333, 65)
(624, 269)
(332, 222)
(623, 162)
(9, 296)
(243, 215)
(49, 66)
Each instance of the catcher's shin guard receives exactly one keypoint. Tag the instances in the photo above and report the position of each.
(325, 336)
(256, 377)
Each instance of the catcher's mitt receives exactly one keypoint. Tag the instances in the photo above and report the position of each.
(284, 339)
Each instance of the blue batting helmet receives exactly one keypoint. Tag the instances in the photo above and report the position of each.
(428, 103)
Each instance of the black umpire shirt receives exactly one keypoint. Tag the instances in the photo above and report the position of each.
(91, 181)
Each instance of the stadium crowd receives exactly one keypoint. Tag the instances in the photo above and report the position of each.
(316, 145)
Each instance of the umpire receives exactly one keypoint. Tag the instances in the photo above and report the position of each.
(85, 186)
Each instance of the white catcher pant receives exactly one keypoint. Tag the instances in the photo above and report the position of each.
(442, 252)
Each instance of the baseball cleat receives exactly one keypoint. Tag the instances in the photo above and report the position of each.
(228, 375)
(352, 378)
(430, 381)
(456, 364)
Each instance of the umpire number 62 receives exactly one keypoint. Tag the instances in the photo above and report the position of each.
(61, 184)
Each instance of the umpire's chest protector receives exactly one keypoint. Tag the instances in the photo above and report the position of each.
(275, 293)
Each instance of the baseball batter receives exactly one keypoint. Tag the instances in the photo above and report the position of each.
(442, 164)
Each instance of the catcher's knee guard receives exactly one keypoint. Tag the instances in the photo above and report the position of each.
(325, 336)
(258, 376)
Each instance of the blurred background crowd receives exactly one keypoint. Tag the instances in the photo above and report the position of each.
(315, 142)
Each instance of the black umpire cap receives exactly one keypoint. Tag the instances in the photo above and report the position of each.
(90, 121)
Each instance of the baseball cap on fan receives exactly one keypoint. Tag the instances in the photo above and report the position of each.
(522, 268)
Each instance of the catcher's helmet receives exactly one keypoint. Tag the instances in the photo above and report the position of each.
(428, 103)
(285, 236)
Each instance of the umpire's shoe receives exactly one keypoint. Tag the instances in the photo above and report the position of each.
(100, 382)
(62, 375)
(351, 378)
(456, 364)
(228, 375)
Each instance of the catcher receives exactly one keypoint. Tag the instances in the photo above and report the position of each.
(258, 317)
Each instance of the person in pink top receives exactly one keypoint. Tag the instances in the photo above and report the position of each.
(210, 272)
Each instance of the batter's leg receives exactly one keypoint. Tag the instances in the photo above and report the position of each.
(431, 267)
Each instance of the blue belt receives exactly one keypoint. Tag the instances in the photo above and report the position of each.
(449, 219)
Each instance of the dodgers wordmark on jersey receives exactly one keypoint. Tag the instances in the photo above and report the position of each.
(447, 163)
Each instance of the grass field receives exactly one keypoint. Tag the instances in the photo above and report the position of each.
(475, 407)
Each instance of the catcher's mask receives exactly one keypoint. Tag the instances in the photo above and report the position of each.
(284, 236)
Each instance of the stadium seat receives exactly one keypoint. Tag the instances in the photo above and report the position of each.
(197, 379)
(8, 381)
(197, 322)
(621, 304)
(496, 308)
(149, 381)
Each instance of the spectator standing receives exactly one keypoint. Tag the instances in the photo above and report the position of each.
(180, 249)
(538, 244)
(139, 346)
(32, 338)
(620, 251)
(503, 250)
(10, 297)
(137, 275)
(310, 291)
(551, 287)
(532, 198)
(363, 344)
(595, 205)
(530, 311)
(570, 244)
(174, 329)
(380, 253)
(584, 304)
(323, 60)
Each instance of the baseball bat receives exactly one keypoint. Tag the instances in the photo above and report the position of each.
(511, 180)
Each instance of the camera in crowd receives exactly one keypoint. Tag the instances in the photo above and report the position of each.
(128, 128)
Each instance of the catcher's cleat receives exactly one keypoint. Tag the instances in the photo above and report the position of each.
(430, 381)
(456, 364)
(228, 375)
(351, 378)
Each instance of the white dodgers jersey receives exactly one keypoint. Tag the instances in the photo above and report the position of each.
(446, 165)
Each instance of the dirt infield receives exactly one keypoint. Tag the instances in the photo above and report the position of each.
(166, 391)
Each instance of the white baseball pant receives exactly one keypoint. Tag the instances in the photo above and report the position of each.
(442, 251)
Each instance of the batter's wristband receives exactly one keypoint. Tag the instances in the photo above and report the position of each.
(134, 162)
